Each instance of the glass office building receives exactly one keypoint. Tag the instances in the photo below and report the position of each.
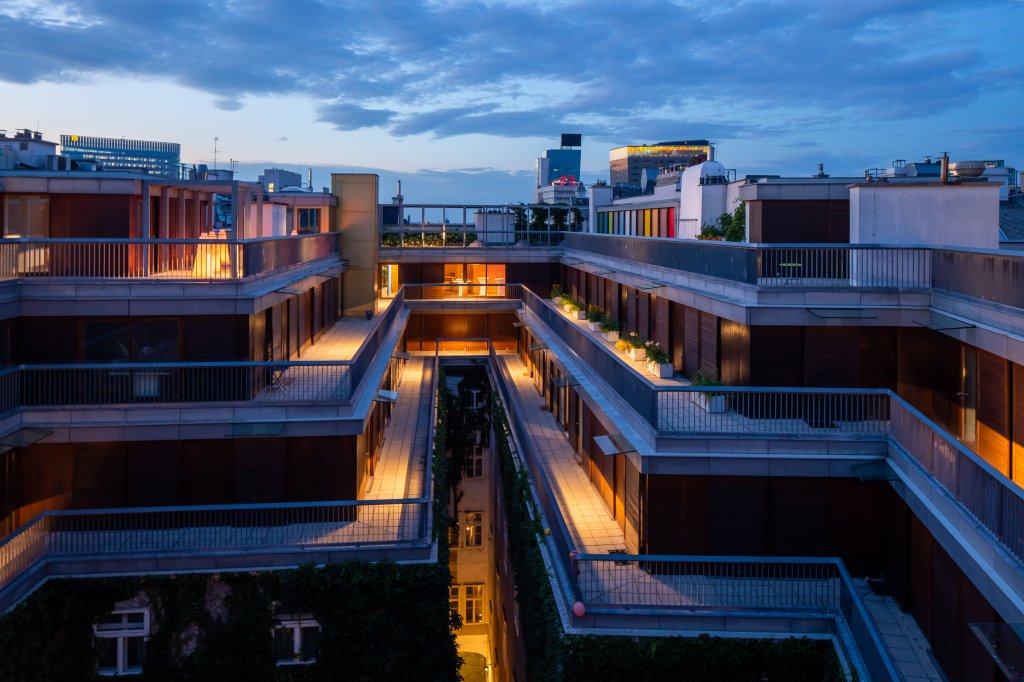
(118, 154)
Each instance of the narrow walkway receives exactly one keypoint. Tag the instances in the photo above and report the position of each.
(399, 471)
(901, 635)
(401, 466)
(592, 526)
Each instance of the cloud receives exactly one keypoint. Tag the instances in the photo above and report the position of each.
(346, 116)
(616, 71)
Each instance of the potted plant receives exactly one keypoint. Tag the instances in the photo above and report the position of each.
(635, 346)
(657, 360)
(711, 402)
(594, 317)
(610, 330)
(578, 308)
(556, 293)
(622, 344)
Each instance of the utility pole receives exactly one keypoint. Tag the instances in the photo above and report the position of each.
(215, 141)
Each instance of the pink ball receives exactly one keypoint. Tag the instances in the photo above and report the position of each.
(579, 610)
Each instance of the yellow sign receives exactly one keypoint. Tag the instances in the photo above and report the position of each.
(74, 138)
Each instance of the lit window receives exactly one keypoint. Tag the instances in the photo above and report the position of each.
(296, 639)
(474, 536)
(474, 603)
(122, 636)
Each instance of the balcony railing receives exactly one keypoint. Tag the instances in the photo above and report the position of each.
(219, 530)
(738, 412)
(177, 259)
(462, 292)
(723, 586)
(118, 383)
(466, 236)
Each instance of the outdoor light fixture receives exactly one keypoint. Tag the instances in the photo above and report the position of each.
(386, 397)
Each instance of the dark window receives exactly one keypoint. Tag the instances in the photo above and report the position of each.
(155, 341)
(105, 341)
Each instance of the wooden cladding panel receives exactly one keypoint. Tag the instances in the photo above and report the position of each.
(691, 350)
(677, 336)
(1018, 424)
(994, 411)
(738, 522)
(629, 297)
(708, 342)
(99, 475)
(735, 353)
(643, 314)
(662, 332)
(832, 357)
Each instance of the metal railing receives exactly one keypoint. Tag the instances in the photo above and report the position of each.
(743, 410)
(987, 494)
(183, 382)
(221, 529)
(177, 259)
(466, 236)
(709, 583)
(118, 383)
(456, 291)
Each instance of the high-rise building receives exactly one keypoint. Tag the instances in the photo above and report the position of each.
(119, 154)
(625, 164)
(562, 163)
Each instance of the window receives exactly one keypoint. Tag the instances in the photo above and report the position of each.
(309, 220)
(296, 639)
(26, 216)
(453, 598)
(474, 467)
(474, 536)
(474, 604)
(122, 636)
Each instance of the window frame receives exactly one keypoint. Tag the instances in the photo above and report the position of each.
(123, 634)
(295, 622)
(474, 529)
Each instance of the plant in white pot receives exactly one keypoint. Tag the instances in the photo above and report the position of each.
(609, 329)
(657, 360)
(711, 402)
(576, 307)
(557, 295)
(594, 317)
(635, 346)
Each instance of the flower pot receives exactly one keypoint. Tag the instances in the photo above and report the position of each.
(558, 300)
(567, 308)
(610, 336)
(662, 370)
(581, 314)
(636, 354)
(594, 326)
(709, 402)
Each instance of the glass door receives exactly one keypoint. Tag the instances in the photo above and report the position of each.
(968, 395)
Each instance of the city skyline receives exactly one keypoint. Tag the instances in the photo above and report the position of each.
(444, 92)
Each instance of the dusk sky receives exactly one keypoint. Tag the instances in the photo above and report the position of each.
(458, 98)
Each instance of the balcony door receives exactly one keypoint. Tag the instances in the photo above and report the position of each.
(968, 395)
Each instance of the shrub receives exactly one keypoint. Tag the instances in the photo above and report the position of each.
(622, 344)
(556, 290)
(594, 313)
(705, 377)
(609, 324)
(634, 340)
(575, 304)
(655, 353)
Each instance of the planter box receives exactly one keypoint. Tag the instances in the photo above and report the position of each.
(558, 300)
(581, 314)
(610, 336)
(565, 307)
(662, 370)
(714, 404)
(637, 354)
(594, 326)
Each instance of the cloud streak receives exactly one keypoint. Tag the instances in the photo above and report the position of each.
(621, 72)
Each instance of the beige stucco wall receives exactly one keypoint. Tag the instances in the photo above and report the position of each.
(356, 218)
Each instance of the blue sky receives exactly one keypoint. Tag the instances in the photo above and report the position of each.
(458, 98)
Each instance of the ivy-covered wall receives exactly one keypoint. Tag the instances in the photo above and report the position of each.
(380, 621)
